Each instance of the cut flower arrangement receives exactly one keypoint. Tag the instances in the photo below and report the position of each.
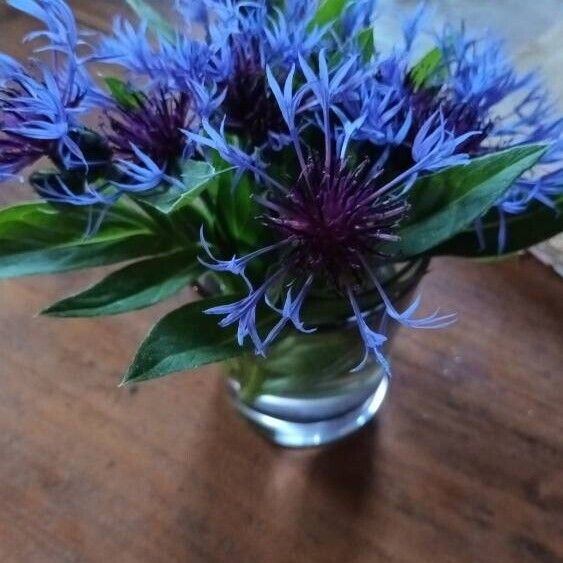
(270, 154)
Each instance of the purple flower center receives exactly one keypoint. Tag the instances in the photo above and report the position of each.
(334, 222)
(249, 105)
(460, 117)
(154, 125)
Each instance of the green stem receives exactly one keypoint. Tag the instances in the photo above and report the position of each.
(253, 382)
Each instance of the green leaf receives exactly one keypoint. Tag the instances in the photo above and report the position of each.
(366, 43)
(186, 339)
(524, 230)
(196, 176)
(134, 287)
(328, 11)
(445, 203)
(426, 68)
(121, 92)
(236, 224)
(37, 238)
(155, 21)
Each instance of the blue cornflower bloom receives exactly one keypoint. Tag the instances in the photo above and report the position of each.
(468, 86)
(153, 124)
(242, 38)
(331, 218)
(251, 38)
(41, 106)
(37, 119)
(479, 77)
(479, 72)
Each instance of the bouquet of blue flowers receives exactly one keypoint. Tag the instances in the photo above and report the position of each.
(272, 154)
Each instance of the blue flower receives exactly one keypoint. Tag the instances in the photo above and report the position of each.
(479, 71)
(480, 77)
(37, 119)
(249, 38)
(41, 106)
(154, 124)
(332, 216)
(242, 38)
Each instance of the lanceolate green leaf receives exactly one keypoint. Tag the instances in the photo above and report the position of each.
(236, 214)
(136, 286)
(524, 230)
(196, 176)
(328, 11)
(155, 21)
(366, 42)
(186, 339)
(121, 92)
(428, 67)
(36, 238)
(445, 203)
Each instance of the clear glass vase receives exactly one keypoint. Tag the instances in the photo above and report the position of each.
(304, 393)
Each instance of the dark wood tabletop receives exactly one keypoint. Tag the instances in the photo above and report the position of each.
(464, 463)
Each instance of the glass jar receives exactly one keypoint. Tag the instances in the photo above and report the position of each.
(305, 392)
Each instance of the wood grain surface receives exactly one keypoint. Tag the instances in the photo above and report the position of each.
(464, 464)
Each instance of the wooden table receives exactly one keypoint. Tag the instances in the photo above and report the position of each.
(464, 464)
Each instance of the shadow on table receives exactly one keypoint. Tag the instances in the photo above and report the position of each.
(258, 502)
(343, 482)
(347, 470)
